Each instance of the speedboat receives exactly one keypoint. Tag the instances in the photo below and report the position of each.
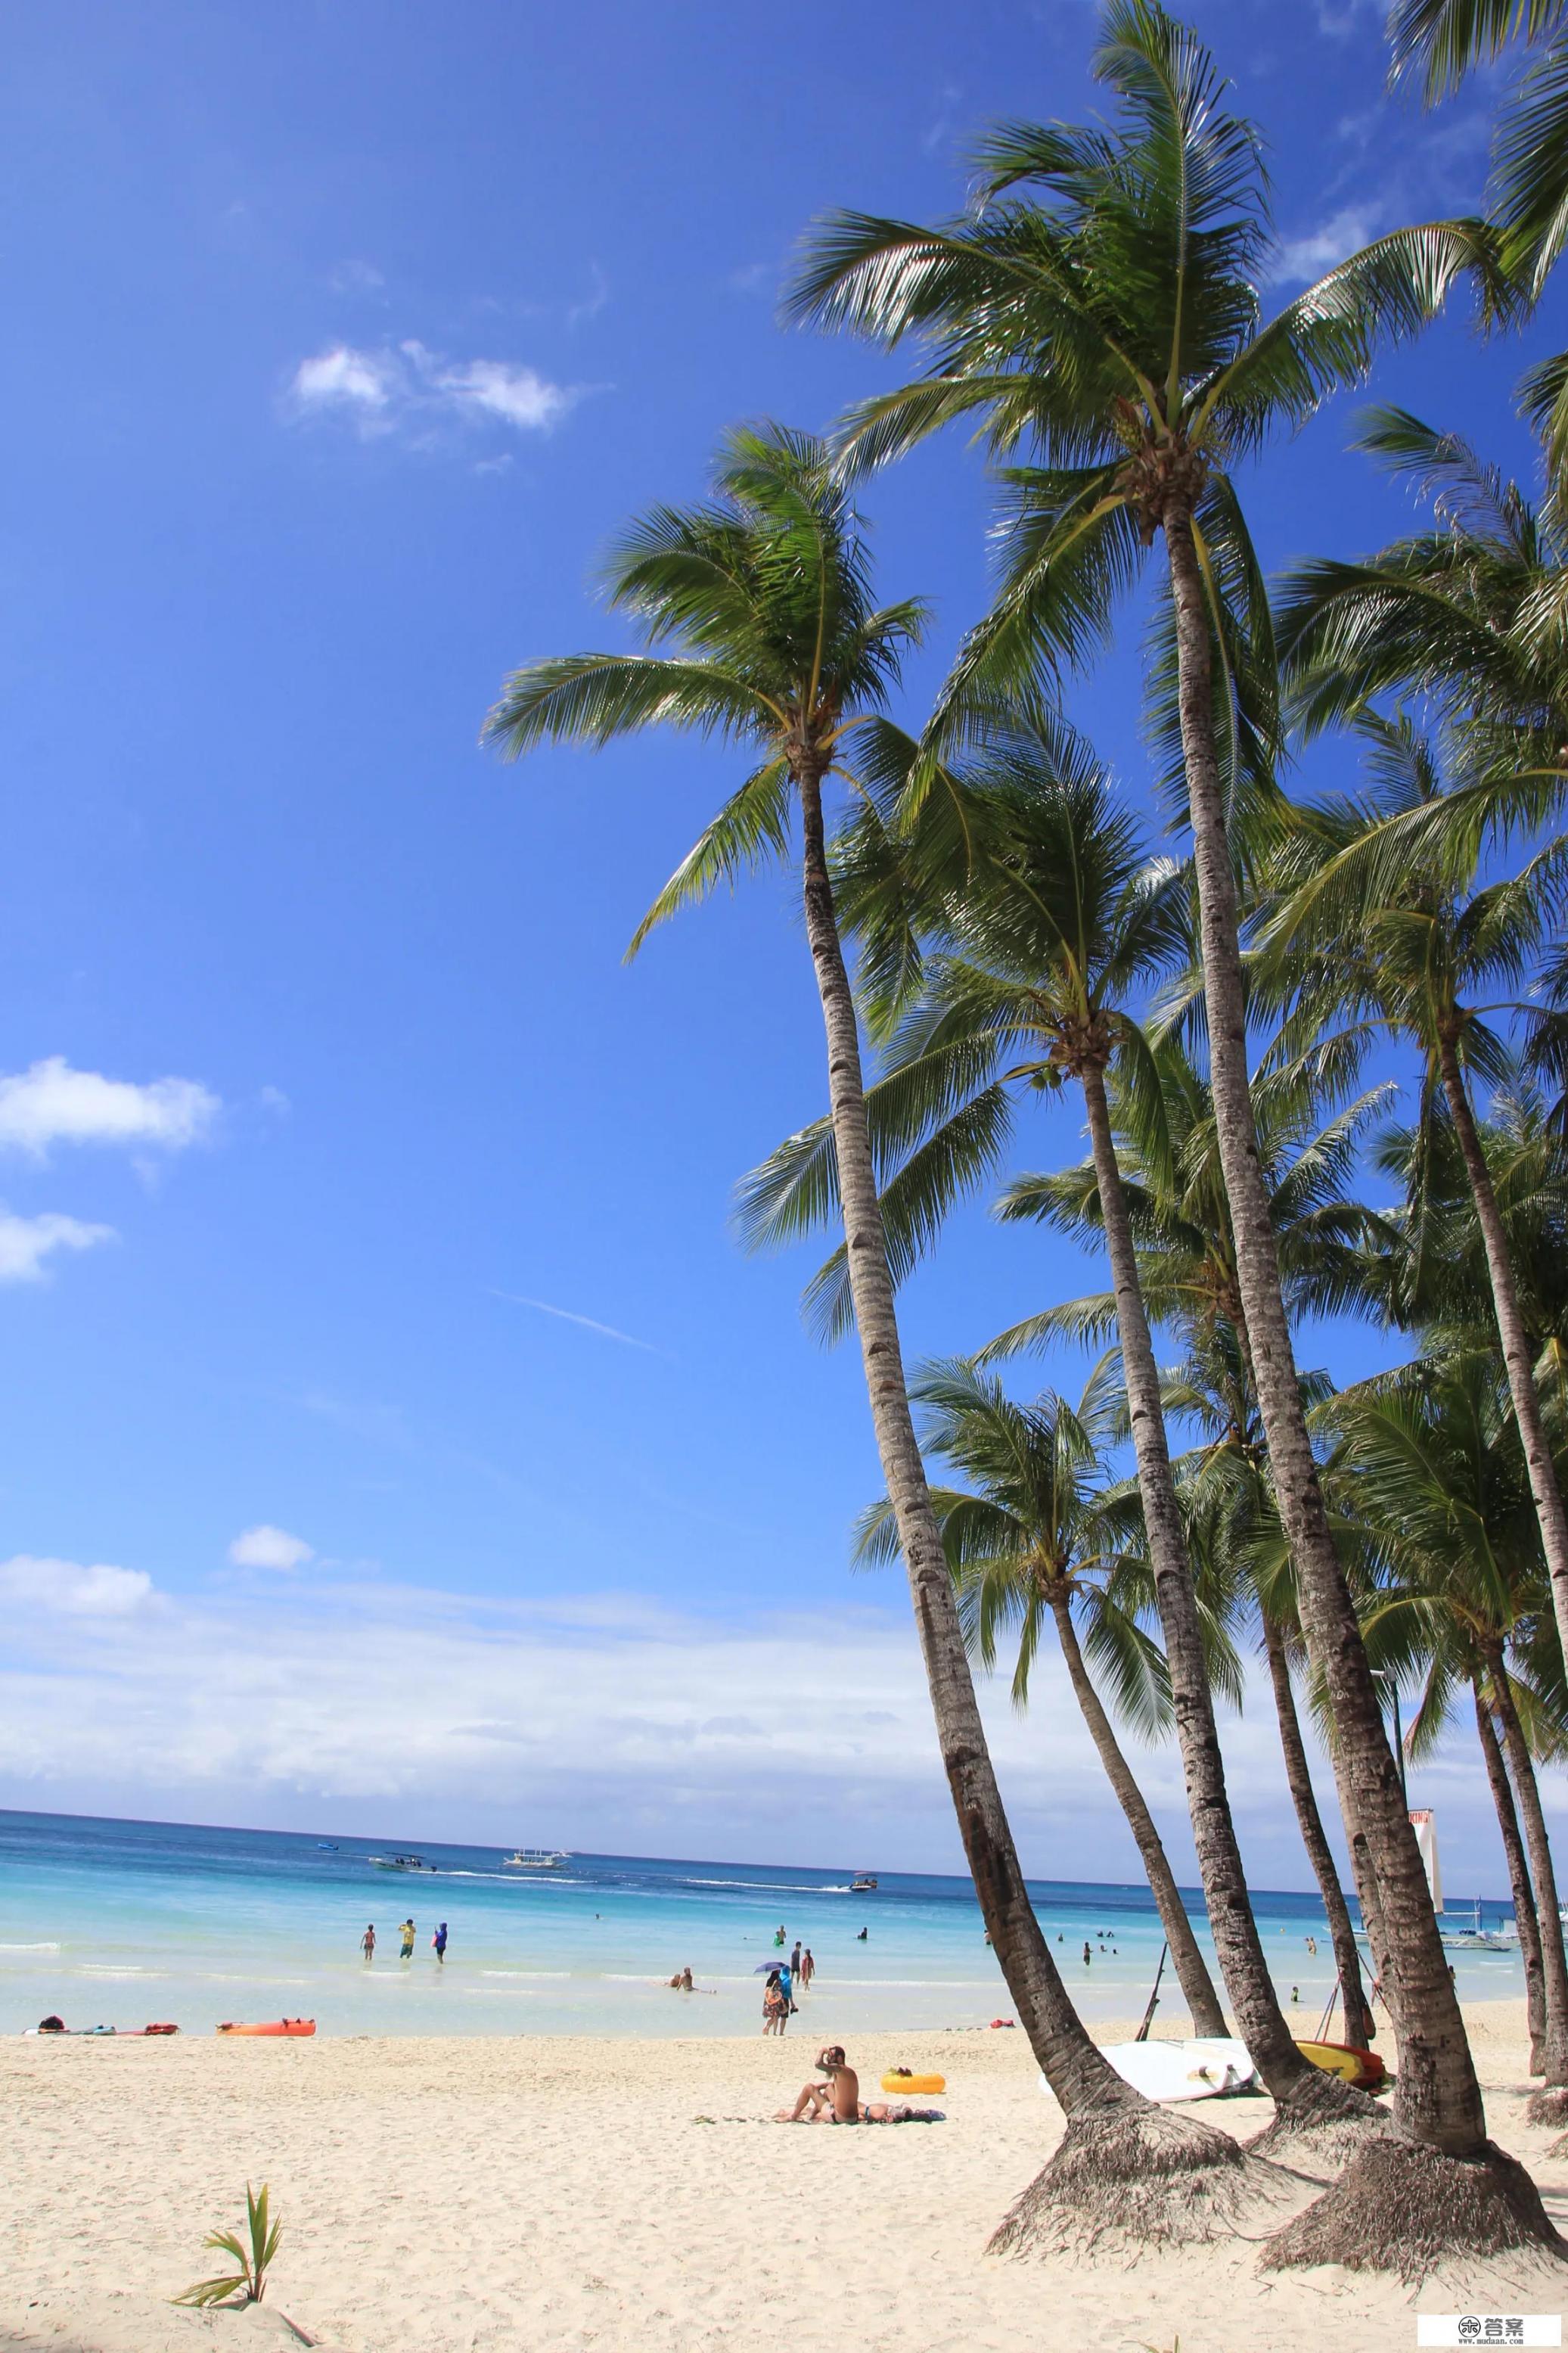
(863, 1886)
(400, 1862)
(535, 1858)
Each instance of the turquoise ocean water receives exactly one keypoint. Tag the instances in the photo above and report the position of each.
(122, 1923)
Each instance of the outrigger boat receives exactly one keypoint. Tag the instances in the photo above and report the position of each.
(535, 1858)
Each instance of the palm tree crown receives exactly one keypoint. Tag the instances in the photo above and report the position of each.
(1099, 309)
(764, 596)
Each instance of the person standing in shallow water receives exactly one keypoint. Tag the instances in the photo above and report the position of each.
(439, 1941)
(406, 1932)
(367, 1942)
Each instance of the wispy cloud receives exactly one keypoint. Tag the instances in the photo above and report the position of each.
(409, 389)
(936, 136)
(358, 278)
(1302, 259)
(269, 1547)
(589, 305)
(52, 1104)
(631, 1726)
(27, 1244)
(588, 1322)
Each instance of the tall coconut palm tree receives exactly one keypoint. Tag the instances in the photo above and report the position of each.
(1232, 1530)
(1443, 40)
(1100, 305)
(1040, 913)
(1414, 944)
(1030, 1546)
(756, 613)
(1467, 612)
(1430, 1470)
(1328, 1247)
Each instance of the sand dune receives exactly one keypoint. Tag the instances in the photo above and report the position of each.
(558, 2195)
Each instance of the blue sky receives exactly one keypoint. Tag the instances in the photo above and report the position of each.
(343, 337)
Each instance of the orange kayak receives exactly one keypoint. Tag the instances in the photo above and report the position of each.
(274, 2026)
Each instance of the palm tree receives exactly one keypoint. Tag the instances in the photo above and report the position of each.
(763, 595)
(1109, 316)
(1404, 944)
(1328, 1248)
(1431, 1470)
(1467, 612)
(1029, 1544)
(1232, 1530)
(1427, 1271)
(1038, 896)
(1444, 40)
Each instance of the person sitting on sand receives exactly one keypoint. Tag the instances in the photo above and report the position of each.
(838, 2101)
(681, 1982)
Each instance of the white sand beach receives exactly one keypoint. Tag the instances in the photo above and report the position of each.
(557, 2195)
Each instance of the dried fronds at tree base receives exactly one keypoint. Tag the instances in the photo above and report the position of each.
(248, 2283)
(1401, 2208)
(1136, 2179)
(1547, 2107)
(1323, 2137)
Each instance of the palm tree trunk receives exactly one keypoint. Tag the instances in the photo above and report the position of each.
(1524, 1912)
(1553, 1966)
(1190, 1968)
(1545, 1490)
(1081, 2078)
(1259, 2019)
(1438, 2098)
(1359, 2026)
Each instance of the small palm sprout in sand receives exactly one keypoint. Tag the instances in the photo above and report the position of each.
(248, 2283)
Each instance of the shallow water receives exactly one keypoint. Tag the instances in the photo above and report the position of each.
(121, 1923)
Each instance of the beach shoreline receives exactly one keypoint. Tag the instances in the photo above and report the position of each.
(557, 2193)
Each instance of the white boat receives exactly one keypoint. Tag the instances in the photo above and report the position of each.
(400, 1862)
(535, 1858)
(864, 1885)
(1205, 2068)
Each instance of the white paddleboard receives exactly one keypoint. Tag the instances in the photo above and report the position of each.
(1203, 2069)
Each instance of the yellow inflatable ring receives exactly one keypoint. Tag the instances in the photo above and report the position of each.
(893, 2082)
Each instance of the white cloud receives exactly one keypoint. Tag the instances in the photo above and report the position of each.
(52, 1104)
(64, 1588)
(341, 377)
(269, 1547)
(1300, 260)
(614, 1723)
(410, 389)
(518, 395)
(27, 1244)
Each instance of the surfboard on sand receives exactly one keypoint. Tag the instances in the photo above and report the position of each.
(1203, 2069)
